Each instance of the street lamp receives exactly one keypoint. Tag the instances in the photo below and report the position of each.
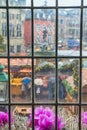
(3, 84)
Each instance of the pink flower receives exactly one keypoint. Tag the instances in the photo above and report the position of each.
(60, 123)
(4, 119)
(84, 119)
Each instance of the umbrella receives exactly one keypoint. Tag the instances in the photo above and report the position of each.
(52, 79)
(26, 80)
(38, 81)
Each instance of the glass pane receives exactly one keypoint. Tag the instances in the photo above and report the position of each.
(2, 2)
(68, 80)
(68, 117)
(44, 3)
(19, 2)
(44, 80)
(20, 32)
(3, 33)
(69, 2)
(84, 80)
(44, 117)
(84, 42)
(84, 118)
(44, 32)
(22, 117)
(4, 117)
(21, 79)
(85, 2)
(4, 86)
(68, 32)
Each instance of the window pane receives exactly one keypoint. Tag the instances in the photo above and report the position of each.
(20, 32)
(44, 3)
(19, 2)
(84, 117)
(84, 42)
(4, 117)
(69, 32)
(44, 80)
(20, 79)
(22, 117)
(2, 2)
(44, 117)
(4, 86)
(69, 2)
(69, 117)
(44, 32)
(85, 2)
(3, 33)
(68, 80)
(84, 80)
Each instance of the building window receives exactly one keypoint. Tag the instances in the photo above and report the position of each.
(18, 16)
(3, 14)
(11, 16)
(18, 48)
(4, 29)
(11, 30)
(19, 30)
(61, 21)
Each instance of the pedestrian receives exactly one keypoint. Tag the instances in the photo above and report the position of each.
(62, 89)
(23, 90)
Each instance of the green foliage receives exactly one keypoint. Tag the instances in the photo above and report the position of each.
(2, 46)
(69, 89)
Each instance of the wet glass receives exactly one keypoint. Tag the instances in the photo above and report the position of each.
(84, 40)
(2, 2)
(44, 32)
(3, 32)
(44, 80)
(85, 2)
(22, 117)
(44, 3)
(68, 32)
(69, 117)
(19, 2)
(4, 85)
(69, 2)
(20, 32)
(68, 80)
(21, 80)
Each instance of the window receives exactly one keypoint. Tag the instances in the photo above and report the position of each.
(18, 30)
(11, 16)
(11, 30)
(18, 16)
(4, 29)
(43, 64)
(3, 14)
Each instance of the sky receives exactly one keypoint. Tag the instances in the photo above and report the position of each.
(61, 2)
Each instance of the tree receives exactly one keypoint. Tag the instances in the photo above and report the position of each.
(2, 46)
